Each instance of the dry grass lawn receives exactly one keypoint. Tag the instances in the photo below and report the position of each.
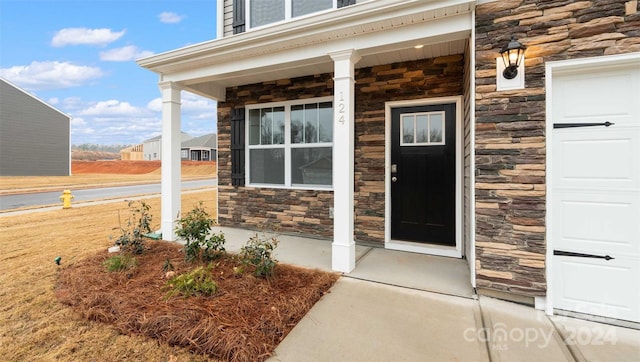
(35, 326)
(243, 322)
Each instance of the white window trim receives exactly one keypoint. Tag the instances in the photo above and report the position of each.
(287, 14)
(288, 146)
(428, 143)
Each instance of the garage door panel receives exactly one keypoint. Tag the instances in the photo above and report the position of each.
(598, 222)
(603, 159)
(598, 287)
(610, 95)
(595, 190)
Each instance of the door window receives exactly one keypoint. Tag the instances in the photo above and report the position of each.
(422, 129)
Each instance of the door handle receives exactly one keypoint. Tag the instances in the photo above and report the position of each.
(394, 179)
(581, 255)
(574, 125)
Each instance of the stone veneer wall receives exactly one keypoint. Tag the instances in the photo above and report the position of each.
(439, 77)
(307, 212)
(510, 125)
(291, 211)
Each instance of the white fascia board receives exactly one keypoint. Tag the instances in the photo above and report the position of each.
(279, 37)
(437, 31)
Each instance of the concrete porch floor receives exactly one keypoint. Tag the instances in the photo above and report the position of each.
(409, 270)
(398, 306)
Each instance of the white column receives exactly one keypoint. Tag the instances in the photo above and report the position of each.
(170, 151)
(343, 249)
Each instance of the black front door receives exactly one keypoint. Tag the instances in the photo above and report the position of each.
(423, 174)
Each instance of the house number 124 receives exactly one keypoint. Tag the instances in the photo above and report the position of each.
(341, 108)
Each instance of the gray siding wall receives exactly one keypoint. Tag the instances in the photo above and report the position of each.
(466, 119)
(34, 138)
(228, 17)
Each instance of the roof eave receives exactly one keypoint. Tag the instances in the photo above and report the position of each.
(271, 39)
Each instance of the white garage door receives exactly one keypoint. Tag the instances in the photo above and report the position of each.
(595, 181)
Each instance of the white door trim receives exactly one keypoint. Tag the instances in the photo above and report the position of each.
(455, 252)
(554, 68)
(471, 257)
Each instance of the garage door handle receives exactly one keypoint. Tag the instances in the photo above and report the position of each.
(574, 125)
(581, 255)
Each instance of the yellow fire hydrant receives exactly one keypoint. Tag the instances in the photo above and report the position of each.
(66, 199)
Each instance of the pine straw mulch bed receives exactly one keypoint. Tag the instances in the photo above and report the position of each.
(244, 320)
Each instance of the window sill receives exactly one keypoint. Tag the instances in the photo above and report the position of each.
(296, 188)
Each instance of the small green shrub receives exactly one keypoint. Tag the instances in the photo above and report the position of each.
(258, 252)
(213, 247)
(120, 262)
(167, 266)
(194, 229)
(131, 238)
(196, 282)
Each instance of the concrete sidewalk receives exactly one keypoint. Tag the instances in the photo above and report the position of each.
(367, 321)
(393, 308)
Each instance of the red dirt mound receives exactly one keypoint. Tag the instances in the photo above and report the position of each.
(114, 167)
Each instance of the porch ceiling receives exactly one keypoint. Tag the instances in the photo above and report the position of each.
(382, 32)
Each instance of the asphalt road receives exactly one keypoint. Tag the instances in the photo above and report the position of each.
(9, 202)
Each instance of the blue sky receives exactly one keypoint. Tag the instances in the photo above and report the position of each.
(79, 56)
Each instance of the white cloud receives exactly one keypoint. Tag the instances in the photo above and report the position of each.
(124, 54)
(49, 75)
(85, 36)
(82, 131)
(121, 122)
(155, 105)
(53, 101)
(110, 108)
(72, 103)
(75, 122)
(170, 18)
(192, 104)
(110, 121)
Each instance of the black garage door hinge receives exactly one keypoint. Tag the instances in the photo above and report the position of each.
(581, 255)
(574, 125)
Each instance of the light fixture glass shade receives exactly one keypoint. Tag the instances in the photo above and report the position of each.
(512, 56)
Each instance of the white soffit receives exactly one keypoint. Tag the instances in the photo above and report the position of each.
(382, 31)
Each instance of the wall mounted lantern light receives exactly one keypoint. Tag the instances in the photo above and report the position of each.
(512, 56)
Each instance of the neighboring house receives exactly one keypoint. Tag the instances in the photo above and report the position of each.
(132, 153)
(201, 148)
(533, 180)
(152, 148)
(34, 136)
